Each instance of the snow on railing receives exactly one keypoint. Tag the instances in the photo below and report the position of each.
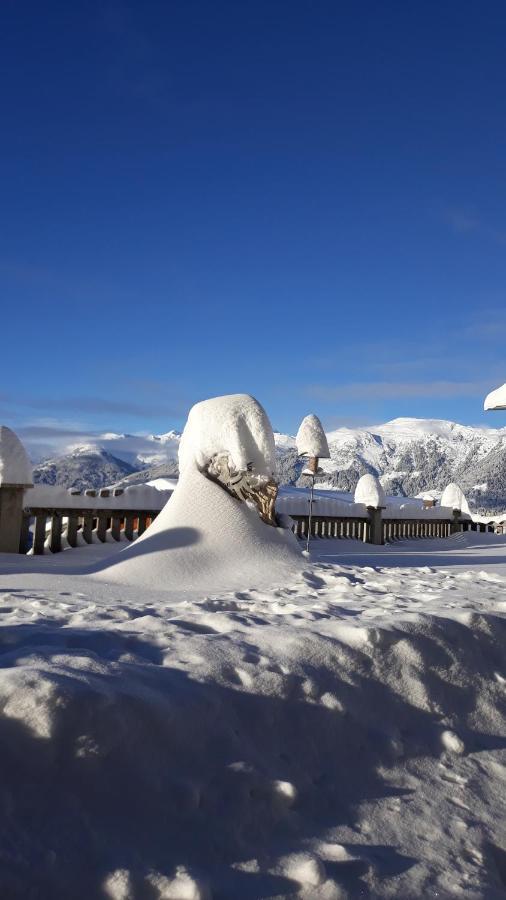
(54, 517)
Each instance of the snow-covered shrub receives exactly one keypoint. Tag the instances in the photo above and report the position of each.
(204, 537)
(370, 492)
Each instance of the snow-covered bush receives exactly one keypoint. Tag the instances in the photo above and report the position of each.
(454, 498)
(236, 426)
(204, 537)
(311, 439)
(15, 467)
(370, 492)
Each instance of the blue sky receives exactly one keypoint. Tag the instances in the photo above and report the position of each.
(304, 201)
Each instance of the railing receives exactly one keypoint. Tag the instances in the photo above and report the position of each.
(52, 526)
(333, 527)
(60, 518)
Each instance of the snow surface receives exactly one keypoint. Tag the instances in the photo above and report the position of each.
(453, 496)
(340, 736)
(370, 492)
(496, 399)
(14, 464)
(137, 496)
(311, 440)
(204, 538)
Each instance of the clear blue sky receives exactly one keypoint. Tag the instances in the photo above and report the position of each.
(304, 201)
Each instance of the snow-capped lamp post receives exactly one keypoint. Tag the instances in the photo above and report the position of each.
(312, 444)
(15, 478)
(369, 491)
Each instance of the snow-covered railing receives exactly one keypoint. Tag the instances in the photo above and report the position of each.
(54, 517)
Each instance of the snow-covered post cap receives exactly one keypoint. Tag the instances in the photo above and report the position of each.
(454, 498)
(370, 492)
(496, 399)
(15, 468)
(312, 442)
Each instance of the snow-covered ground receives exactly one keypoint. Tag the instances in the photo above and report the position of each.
(341, 736)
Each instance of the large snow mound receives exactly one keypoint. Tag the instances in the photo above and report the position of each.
(204, 537)
(15, 467)
(311, 439)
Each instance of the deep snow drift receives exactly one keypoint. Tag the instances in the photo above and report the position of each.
(206, 537)
(341, 736)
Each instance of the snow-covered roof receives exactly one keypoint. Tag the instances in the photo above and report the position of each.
(15, 466)
(496, 399)
(311, 439)
(370, 492)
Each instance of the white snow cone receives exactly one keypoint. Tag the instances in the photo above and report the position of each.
(370, 492)
(205, 538)
(454, 498)
(311, 439)
(15, 468)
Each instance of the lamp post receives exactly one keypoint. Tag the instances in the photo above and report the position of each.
(312, 444)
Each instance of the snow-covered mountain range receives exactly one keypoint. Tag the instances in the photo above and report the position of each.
(409, 455)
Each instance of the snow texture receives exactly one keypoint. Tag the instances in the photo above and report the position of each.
(311, 439)
(496, 399)
(341, 736)
(235, 425)
(15, 467)
(138, 496)
(205, 538)
(370, 492)
(453, 498)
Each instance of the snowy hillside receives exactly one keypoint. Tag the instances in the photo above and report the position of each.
(409, 455)
(85, 467)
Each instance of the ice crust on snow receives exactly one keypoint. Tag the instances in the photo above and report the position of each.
(496, 399)
(204, 537)
(453, 497)
(370, 492)
(311, 439)
(15, 467)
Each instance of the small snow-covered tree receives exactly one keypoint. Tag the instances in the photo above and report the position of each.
(311, 439)
(370, 492)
